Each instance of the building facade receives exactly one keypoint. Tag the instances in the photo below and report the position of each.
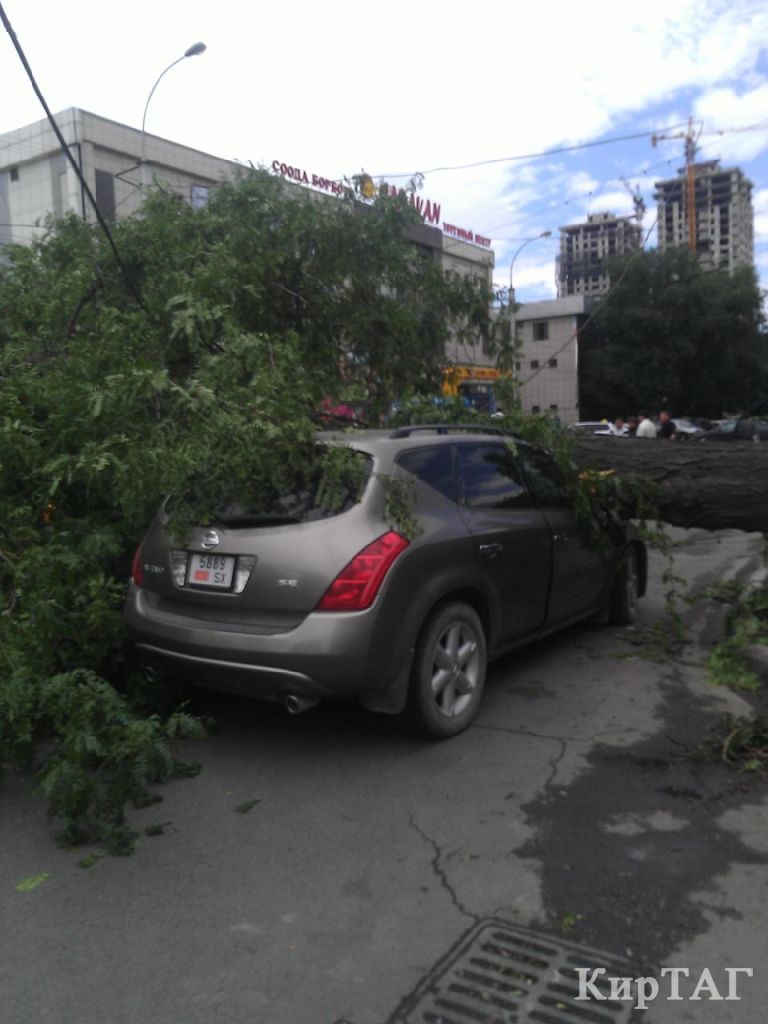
(547, 362)
(723, 217)
(586, 248)
(118, 163)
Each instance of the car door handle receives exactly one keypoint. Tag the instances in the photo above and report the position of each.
(491, 550)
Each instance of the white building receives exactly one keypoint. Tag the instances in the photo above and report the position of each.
(547, 362)
(118, 163)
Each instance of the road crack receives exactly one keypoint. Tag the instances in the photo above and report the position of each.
(554, 762)
(439, 870)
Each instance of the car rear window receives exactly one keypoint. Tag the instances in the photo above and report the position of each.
(317, 496)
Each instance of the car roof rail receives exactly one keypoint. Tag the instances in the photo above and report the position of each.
(448, 428)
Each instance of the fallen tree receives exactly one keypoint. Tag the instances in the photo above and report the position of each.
(711, 486)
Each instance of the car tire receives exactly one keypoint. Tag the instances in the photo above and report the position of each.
(622, 609)
(448, 673)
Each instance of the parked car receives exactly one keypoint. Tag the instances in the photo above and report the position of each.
(300, 603)
(745, 428)
(686, 428)
(592, 427)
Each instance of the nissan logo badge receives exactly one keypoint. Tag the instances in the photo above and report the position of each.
(210, 540)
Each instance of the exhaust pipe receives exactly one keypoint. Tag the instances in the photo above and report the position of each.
(295, 703)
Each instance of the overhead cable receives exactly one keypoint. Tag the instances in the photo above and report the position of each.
(68, 153)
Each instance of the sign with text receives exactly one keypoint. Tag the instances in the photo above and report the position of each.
(428, 210)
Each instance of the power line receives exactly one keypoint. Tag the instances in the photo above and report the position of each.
(593, 314)
(67, 151)
(555, 151)
(527, 156)
(490, 232)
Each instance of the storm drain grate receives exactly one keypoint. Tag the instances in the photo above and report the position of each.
(501, 974)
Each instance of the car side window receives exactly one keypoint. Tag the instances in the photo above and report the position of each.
(433, 466)
(489, 477)
(545, 478)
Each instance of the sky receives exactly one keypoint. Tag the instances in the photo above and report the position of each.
(395, 89)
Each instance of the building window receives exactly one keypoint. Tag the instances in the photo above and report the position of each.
(553, 408)
(199, 196)
(552, 363)
(534, 364)
(518, 366)
(541, 330)
(105, 194)
(14, 172)
(535, 408)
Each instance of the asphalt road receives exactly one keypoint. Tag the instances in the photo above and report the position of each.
(321, 868)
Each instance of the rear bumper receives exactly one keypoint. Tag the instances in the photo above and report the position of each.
(327, 655)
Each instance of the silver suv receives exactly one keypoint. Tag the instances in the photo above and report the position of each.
(305, 604)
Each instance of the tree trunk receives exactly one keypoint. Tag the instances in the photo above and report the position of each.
(710, 485)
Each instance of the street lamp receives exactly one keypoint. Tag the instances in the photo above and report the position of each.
(193, 51)
(534, 238)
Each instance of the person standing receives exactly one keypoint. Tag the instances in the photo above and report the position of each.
(646, 427)
(667, 426)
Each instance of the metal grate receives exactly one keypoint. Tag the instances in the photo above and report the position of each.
(501, 974)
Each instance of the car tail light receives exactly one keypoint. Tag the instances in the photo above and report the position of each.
(356, 586)
(137, 573)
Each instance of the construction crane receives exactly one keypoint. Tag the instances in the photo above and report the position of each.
(691, 139)
(637, 199)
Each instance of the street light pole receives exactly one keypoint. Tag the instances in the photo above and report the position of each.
(512, 304)
(193, 51)
(534, 238)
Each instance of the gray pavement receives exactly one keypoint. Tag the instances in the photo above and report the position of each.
(566, 809)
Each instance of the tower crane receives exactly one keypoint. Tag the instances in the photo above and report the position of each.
(637, 200)
(691, 138)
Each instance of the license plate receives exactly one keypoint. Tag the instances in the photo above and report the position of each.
(210, 571)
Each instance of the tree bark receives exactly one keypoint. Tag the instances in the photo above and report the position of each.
(709, 485)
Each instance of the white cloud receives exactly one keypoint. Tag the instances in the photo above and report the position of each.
(618, 202)
(400, 88)
(724, 109)
(533, 274)
(760, 205)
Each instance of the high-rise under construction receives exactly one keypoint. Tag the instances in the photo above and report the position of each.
(708, 208)
(587, 248)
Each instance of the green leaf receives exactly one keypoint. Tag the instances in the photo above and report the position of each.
(28, 884)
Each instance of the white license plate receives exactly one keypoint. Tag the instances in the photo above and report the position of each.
(210, 571)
